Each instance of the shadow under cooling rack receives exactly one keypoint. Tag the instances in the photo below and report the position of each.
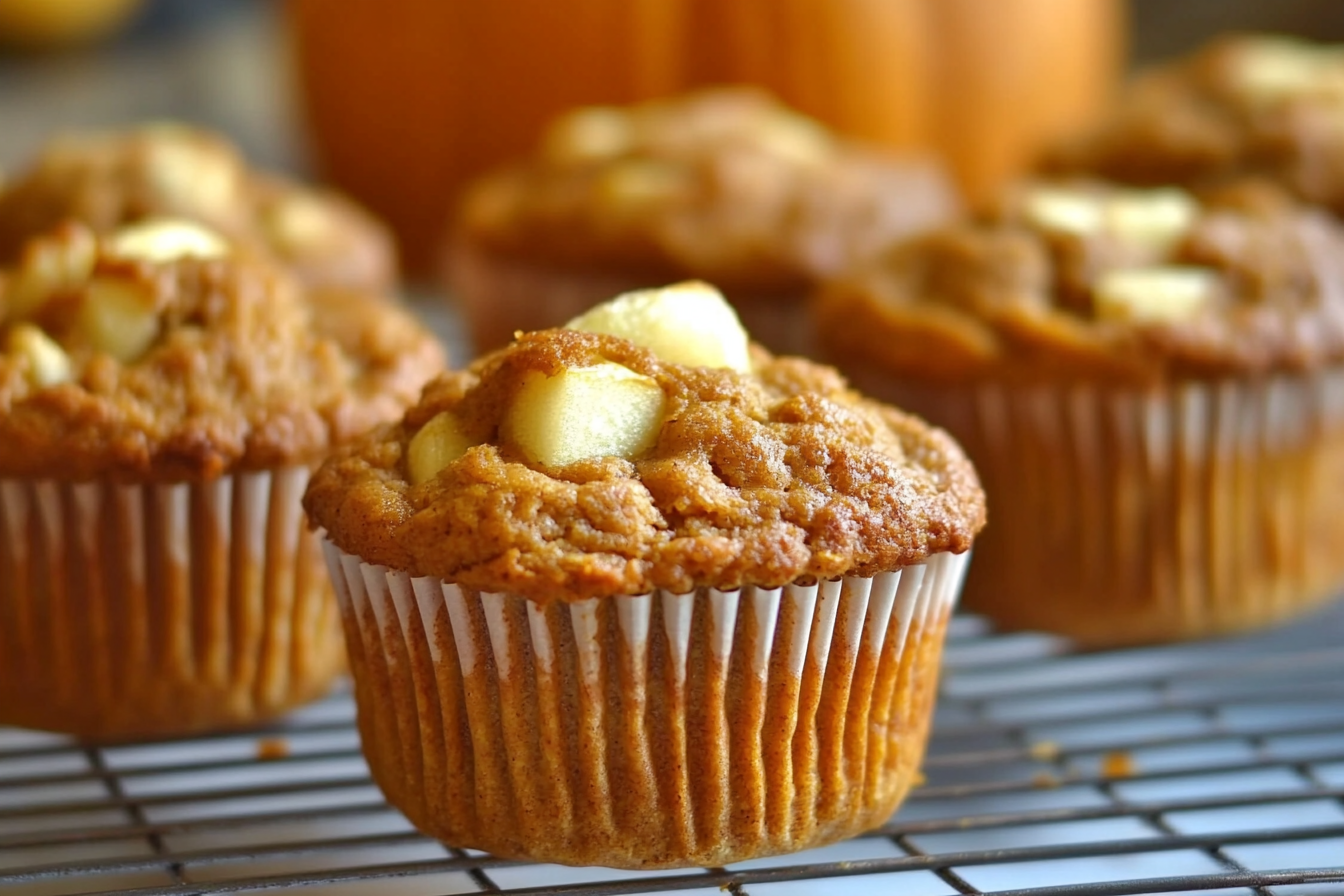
(1214, 767)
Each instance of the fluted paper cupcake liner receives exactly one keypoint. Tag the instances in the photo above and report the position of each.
(646, 731)
(498, 295)
(158, 609)
(1123, 516)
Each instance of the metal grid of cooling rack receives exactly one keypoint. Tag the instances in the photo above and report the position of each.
(1208, 767)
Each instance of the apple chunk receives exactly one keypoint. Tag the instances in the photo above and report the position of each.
(48, 266)
(162, 240)
(438, 443)
(1156, 219)
(119, 317)
(582, 412)
(1270, 70)
(589, 134)
(48, 364)
(1164, 294)
(689, 323)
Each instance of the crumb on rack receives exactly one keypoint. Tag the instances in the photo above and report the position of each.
(1118, 764)
(1045, 781)
(1044, 750)
(269, 748)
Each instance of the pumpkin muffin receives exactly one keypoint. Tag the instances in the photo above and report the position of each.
(646, 602)
(1151, 386)
(162, 402)
(1242, 106)
(108, 179)
(724, 185)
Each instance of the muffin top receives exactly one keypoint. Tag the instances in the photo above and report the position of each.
(1098, 282)
(108, 179)
(1242, 105)
(725, 185)
(158, 353)
(575, 463)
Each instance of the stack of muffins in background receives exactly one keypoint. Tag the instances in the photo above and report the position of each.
(632, 588)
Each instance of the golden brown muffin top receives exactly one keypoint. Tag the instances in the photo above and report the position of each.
(1246, 105)
(764, 477)
(106, 179)
(159, 353)
(1103, 283)
(725, 185)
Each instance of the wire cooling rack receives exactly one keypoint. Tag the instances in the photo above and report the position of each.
(1212, 767)
(1209, 767)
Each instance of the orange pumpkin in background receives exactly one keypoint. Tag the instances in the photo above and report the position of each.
(406, 99)
(980, 82)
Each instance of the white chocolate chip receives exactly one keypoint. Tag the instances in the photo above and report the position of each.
(162, 240)
(605, 410)
(438, 443)
(689, 323)
(48, 364)
(1164, 294)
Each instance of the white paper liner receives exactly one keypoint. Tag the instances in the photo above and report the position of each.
(1122, 516)
(151, 610)
(498, 296)
(645, 731)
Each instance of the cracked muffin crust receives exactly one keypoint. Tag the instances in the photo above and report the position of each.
(768, 477)
(107, 179)
(187, 367)
(1102, 283)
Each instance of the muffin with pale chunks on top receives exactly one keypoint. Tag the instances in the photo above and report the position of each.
(1243, 106)
(636, 593)
(724, 185)
(110, 179)
(1152, 387)
(164, 400)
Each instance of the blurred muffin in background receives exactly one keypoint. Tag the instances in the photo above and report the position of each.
(52, 24)
(107, 179)
(724, 185)
(1152, 388)
(1241, 106)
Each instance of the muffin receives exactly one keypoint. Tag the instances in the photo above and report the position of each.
(646, 602)
(1151, 387)
(725, 185)
(108, 179)
(1242, 106)
(164, 401)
